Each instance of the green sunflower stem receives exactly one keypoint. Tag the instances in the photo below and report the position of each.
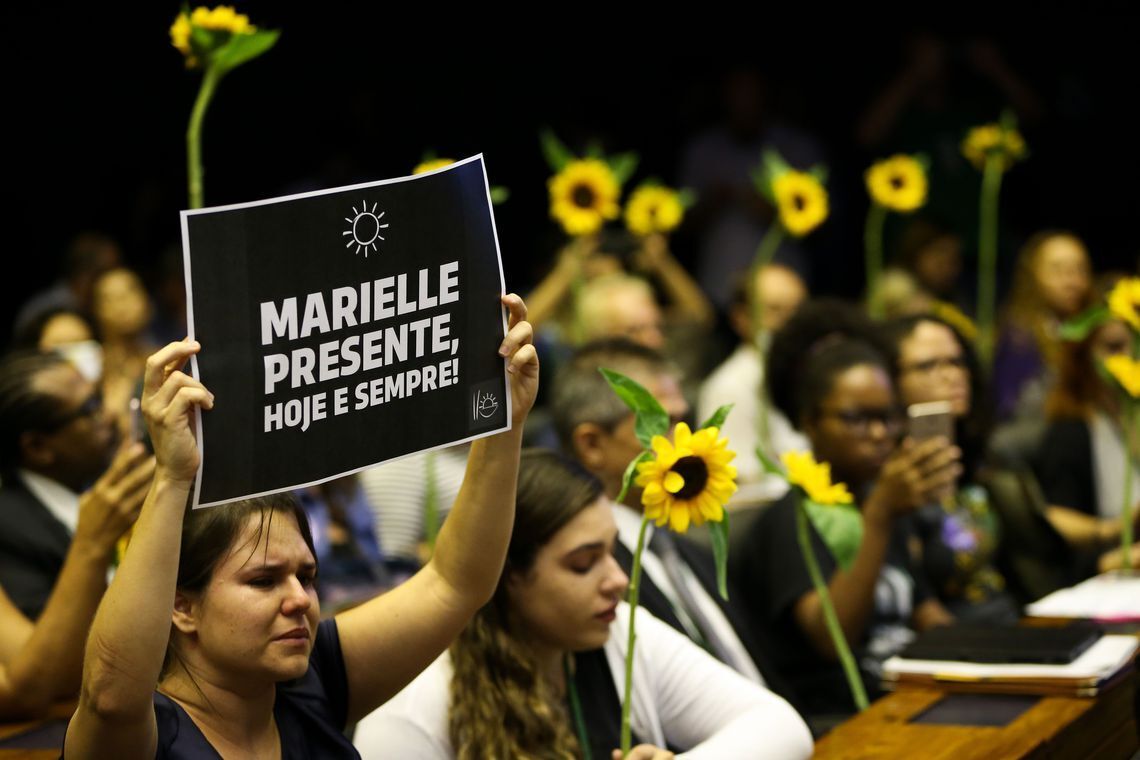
(431, 502)
(1130, 407)
(765, 252)
(873, 250)
(850, 669)
(987, 257)
(194, 135)
(634, 591)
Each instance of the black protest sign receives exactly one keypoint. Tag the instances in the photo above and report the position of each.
(344, 328)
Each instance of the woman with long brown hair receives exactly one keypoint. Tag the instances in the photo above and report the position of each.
(538, 671)
(209, 642)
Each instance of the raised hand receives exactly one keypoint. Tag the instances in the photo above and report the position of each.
(110, 506)
(169, 399)
(644, 752)
(518, 348)
(916, 474)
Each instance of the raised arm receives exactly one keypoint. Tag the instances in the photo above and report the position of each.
(389, 640)
(687, 302)
(123, 661)
(41, 663)
(913, 476)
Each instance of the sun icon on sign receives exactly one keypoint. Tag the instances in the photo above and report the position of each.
(365, 228)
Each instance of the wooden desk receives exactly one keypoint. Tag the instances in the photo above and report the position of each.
(1103, 727)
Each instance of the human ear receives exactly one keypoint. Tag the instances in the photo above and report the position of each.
(185, 614)
(588, 441)
(35, 450)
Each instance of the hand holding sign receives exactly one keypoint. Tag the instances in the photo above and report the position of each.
(169, 398)
(518, 349)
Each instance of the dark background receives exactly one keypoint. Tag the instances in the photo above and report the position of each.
(98, 104)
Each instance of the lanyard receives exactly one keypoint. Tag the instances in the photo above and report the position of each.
(576, 710)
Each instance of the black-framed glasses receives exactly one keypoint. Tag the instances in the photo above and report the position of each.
(938, 363)
(859, 421)
(91, 408)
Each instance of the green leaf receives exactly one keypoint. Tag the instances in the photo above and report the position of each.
(1008, 120)
(841, 528)
(687, 197)
(556, 153)
(245, 47)
(718, 531)
(623, 166)
(769, 466)
(594, 150)
(819, 171)
(631, 473)
(718, 417)
(499, 194)
(923, 160)
(763, 183)
(773, 165)
(1079, 327)
(651, 417)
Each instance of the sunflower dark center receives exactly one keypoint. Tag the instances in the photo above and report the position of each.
(799, 202)
(897, 182)
(696, 475)
(583, 196)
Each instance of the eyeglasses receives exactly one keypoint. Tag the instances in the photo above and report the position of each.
(859, 421)
(929, 366)
(90, 408)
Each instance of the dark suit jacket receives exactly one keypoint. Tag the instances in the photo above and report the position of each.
(701, 562)
(33, 544)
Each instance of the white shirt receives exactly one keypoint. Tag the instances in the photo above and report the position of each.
(681, 697)
(740, 381)
(629, 525)
(60, 501)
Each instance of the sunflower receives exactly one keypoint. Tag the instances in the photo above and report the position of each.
(814, 478)
(898, 183)
(223, 18)
(1126, 371)
(1124, 301)
(690, 480)
(801, 201)
(432, 164)
(583, 196)
(992, 138)
(653, 208)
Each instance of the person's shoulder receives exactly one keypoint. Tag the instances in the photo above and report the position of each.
(413, 723)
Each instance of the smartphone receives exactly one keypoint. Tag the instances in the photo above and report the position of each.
(930, 420)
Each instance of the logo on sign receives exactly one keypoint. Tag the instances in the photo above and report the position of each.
(364, 228)
(484, 406)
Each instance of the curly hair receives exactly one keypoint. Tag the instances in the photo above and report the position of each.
(501, 704)
(824, 338)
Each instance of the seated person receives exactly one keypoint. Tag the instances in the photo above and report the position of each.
(740, 381)
(55, 442)
(42, 662)
(678, 582)
(827, 373)
(209, 642)
(932, 362)
(540, 670)
(1080, 463)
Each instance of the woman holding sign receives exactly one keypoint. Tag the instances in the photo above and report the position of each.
(209, 643)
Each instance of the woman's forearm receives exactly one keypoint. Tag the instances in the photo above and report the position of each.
(50, 663)
(852, 592)
(132, 627)
(473, 542)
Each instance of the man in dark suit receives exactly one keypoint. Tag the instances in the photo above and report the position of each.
(55, 442)
(678, 582)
